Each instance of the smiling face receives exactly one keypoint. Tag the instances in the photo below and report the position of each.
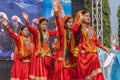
(42, 25)
(86, 18)
(69, 23)
(25, 31)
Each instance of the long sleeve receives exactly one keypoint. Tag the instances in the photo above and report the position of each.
(59, 25)
(52, 32)
(75, 28)
(97, 42)
(60, 31)
(14, 36)
(33, 31)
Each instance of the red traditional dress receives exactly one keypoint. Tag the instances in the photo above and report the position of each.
(22, 56)
(64, 66)
(56, 49)
(42, 58)
(87, 63)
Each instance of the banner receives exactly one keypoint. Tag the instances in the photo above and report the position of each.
(48, 12)
(9, 9)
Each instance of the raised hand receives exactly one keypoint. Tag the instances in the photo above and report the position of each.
(81, 17)
(56, 7)
(106, 49)
(25, 15)
(5, 23)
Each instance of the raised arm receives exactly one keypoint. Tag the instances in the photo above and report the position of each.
(77, 21)
(75, 28)
(58, 19)
(11, 33)
(31, 29)
(99, 44)
(52, 32)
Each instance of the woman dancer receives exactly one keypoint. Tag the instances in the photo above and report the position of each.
(40, 65)
(66, 63)
(22, 53)
(87, 63)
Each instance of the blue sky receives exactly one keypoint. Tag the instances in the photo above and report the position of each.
(114, 20)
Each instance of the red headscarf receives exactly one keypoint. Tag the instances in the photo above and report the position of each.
(64, 19)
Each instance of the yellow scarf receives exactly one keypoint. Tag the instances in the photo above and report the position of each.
(22, 52)
(72, 44)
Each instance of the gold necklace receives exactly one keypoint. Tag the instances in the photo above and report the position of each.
(89, 31)
(27, 42)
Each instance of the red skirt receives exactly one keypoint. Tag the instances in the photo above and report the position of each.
(20, 69)
(33, 67)
(69, 73)
(60, 72)
(57, 70)
(40, 67)
(16, 69)
(88, 67)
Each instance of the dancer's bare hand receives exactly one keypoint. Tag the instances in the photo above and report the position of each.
(25, 15)
(5, 23)
(81, 17)
(55, 7)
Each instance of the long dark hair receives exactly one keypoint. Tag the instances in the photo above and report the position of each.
(41, 19)
(77, 39)
(84, 12)
(65, 27)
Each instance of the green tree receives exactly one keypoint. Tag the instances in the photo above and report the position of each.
(106, 20)
(118, 14)
(87, 5)
(106, 23)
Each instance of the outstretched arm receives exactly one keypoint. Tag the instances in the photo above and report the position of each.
(11, 33)
(58, 18)
(75, 28)
(99, 44)
(52, 32)
(31, 29)
(58, 23)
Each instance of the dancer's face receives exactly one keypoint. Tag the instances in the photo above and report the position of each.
(25, 32)
(86, 18)
(43, 25)
(69, 23)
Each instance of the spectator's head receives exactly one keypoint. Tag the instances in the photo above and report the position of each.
(3, 15)
(34, 22)
(16, 20)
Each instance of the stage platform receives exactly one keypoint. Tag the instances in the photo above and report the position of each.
(5, 69)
